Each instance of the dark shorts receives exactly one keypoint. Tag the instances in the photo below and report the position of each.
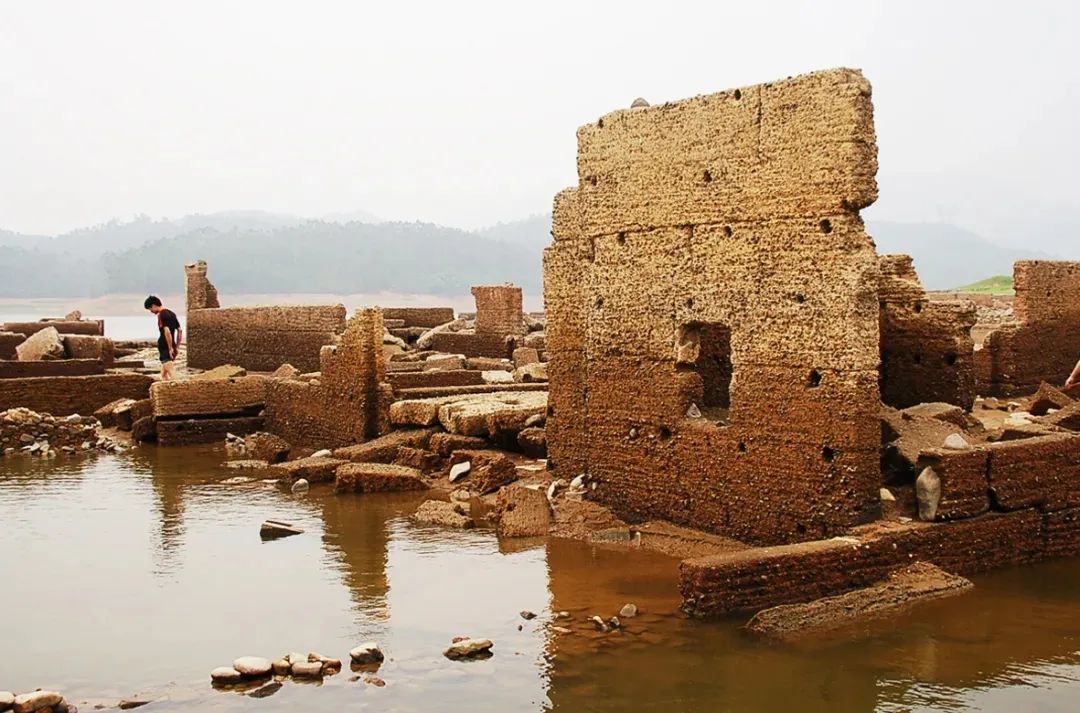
(163, 353)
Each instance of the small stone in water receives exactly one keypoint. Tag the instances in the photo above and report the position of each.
(459, 471)
(368, 652)
(252, 666)
(469, 648)
(601, 625)
(305, 669)
(526, 614)
(374, 681)
(301, 486)
(628, 611)
(274, 528)
(560, 630)
(281, 667)
(225, 674)
(266, 691)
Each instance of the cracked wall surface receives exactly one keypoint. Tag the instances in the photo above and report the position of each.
(1044, 343)
(729, 214)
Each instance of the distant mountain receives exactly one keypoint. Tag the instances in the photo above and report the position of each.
(946, 255)
(262, 252)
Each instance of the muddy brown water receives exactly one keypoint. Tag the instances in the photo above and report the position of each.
(139, 573)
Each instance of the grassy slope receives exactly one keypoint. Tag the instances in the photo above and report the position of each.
(996, 285)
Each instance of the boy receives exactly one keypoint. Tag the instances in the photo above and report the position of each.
(169, 334)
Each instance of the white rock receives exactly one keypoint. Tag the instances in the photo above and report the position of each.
(459, 471)
(7, 700)
(282, 667)
(578, 483)
(36, 701)
(225, 674)
(928, 493)
(887, 496)
(307, 669)
(497, 376)
(468, 648)
(693, 411)
(368, 652)
(460, 496)
(252, 666)
(324, 453)
(301, 486)
(956, 442)
(628, 611)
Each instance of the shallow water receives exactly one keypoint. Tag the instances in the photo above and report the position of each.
(142, 572)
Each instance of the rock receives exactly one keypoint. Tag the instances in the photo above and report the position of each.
(488, 470)
(35, 700)
(324, 453)
(639, 103)
(225, 674)
(579, 482)
(266, 691)
(460, 496)
(886, 496)
(560, 630)
(614, 623)
(601, 625)
(307, 669)
(246, 465)
(628, 611)
(497, 376)
(928, 493)
(267, 447)
(281, 667)
(7, 700)
(444, 362)
(131, 703)
(253, 666)
(439, 512)
(526, 615)
(228, 371)
(42, 345)
(523, 356)
(300, 486)
(286, 371)
(373, 680)
(377, 478)
(956, 442)
(531, 373)
(469, 648)
(366, 653)
(296, 657)
(425, 340)
(533, 442)
(693, 411)
(562, 615)
(522, 512)
(554, 488)
(457, 471)
(272, 529)
(73, 316)
(537, 420)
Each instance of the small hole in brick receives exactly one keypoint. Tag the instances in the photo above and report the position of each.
(622, 238)
(707, 176)
(800, 528)
(599, 123)
(728, 232)
(742, 447)
(690, 303)
(800, 297)
(591, 180)
(738, 95)
(826, 226)
(665, 433)
(918, 307)
(917, 358)
(814, 379)
(599, 303)
(550, 411)
(950, 359)
(828, 454)
(881, 304)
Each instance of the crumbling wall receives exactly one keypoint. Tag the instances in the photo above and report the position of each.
(734, 213)
(1044, 343)
(927, 353)
(201, 293)
(255, 338)
(420, 316)
(66, 395)
(498, 310)
(349, 403)
(63, 326)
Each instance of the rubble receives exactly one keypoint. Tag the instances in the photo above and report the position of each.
(440, 512)
(45, 344)
(487, 470)
(377, 478)
(522, 512)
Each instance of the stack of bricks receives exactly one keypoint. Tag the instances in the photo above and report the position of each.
(499, 329)
(733, 214)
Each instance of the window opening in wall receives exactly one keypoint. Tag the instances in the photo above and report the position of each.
(704, 350)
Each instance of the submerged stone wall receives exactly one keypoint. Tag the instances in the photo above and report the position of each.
(255, 338)
(712, 259)
(349, 403)
(1044, 343)
(927, 353)
(66, 395)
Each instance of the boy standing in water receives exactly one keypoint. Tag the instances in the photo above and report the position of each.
(168, 335)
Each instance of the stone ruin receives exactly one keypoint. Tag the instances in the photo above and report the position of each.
(255, 338)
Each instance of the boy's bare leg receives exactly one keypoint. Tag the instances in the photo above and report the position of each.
(167, 371)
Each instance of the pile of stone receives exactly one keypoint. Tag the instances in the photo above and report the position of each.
(23, 431)
(253, 668)
(38, 701)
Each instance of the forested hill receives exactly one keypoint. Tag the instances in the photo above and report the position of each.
(259, 252)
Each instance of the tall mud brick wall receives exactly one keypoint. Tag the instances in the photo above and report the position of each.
(349, 403)
(498, 310)
(256, 338)
(927, 353)
(712, 256)
(1044, 343)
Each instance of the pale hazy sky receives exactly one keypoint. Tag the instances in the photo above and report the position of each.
(464, 113)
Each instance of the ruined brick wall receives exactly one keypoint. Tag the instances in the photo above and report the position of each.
(498, 310)
(1044, 344)
(351, 401)
(201, 294)
(927, 353)
(65, 395)
(729, 214)
(262, 338)
(420, 316)
(8, 342)
(256, 338)
(64, 326)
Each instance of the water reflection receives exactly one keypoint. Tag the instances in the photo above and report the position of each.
(143, 572)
